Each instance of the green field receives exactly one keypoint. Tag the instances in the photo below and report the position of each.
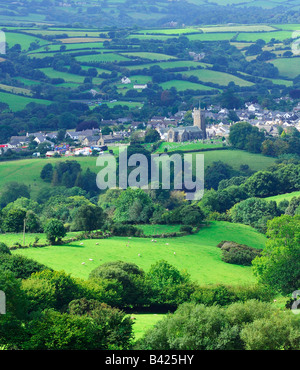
(151, 56)
(17, 102)
(102, 58)
(24, 40)
(68, 77)
(221, 78)
(144, 322)
(11, 239)
(181, 85)
(288, 67)
(266, 36)
(28, 171)
(186, 146)
(287, 196)
(159, 229)
(170, 65)
(195, 253)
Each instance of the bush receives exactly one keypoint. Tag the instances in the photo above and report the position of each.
(4, 249)
(238, 254)
(129, 276)
(55, 231)
(223, 295)
(125, 230)
(66, 288)
(21, 266)
(186, 229)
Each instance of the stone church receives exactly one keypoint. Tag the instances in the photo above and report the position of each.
(187, 133)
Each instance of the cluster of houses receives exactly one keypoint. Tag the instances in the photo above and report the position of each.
(84, 142)
(210, 123)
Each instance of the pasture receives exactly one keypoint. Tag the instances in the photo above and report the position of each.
(287, 196)
(101, 58)
(187, 146)
(146, 55)
(288, 67)
(197, 253)
(13, 38)
(28, 171)
(220, 78)
(18, 102)
(182, 85)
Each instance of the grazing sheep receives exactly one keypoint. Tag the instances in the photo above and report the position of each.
(90, 259)
(81, 243)
(139, 255)
(97, 243)
(167, 243)
(83, 263)
(174, 252)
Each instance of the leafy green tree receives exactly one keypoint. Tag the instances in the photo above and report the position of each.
(4, 249)
(55, 231)
(254, 212)
(11, 324)
(13, 220)
(22, 267)
(217, 172)
(262, 184)
(278, 332)
(103, 328)
(278, 266)
(151, 136)
(129, 276)
(245, 136)
(169, 285)
(88, 218)
(115, 326)
(133, 205)
(66, 288)
(12, 191)
(33, 223)
(47, 172)
(193, 327)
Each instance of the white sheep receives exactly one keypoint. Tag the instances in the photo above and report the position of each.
(167, 243)
(83, 263)
(81, 243)
(139, 255)
(90, 259)
(97, 243)
(174, 252)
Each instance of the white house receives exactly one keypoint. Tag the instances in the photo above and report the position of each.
(125, 80)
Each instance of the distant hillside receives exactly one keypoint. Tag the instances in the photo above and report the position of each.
(127, 13)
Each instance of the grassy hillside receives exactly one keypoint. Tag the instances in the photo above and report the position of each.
(28, 170)
(18, 102)
(196, 253)
(287, 196)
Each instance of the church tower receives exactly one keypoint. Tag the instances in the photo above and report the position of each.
(199, 120)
